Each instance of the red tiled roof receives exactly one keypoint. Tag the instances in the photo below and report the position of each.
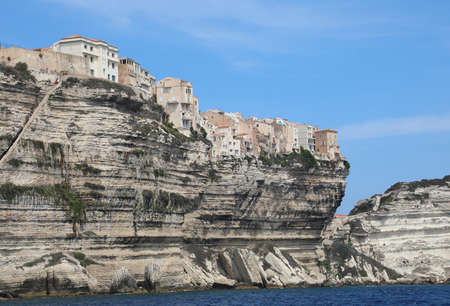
(242, 134)
(340, 215)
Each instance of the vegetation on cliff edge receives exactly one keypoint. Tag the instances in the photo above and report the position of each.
(19, 72)
(304, 157)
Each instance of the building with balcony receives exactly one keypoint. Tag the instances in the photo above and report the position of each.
(177, 98)
(304, 137)
(103, 59)
(132, 74)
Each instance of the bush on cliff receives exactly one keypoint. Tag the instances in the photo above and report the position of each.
(304, 157)
(19, 71)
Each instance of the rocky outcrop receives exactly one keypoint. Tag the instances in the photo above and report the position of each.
(406, 230)
(99, 172)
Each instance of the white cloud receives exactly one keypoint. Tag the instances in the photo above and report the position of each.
(257, 25)
(396, 127)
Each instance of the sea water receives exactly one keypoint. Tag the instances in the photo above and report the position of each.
(370, 295)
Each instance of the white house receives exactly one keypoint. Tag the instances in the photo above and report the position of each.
(102, 57)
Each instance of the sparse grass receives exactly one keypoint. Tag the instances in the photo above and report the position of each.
(62, 194)
(83, 259)
(169, 202)
(171, 129)
(95, 83)
(412, 186)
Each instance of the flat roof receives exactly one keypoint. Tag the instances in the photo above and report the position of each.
(76, 36)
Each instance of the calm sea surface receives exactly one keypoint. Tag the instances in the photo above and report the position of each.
(382, 295)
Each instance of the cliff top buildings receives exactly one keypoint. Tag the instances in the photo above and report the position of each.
(132, 74)
(177, 97)
(102, 57)
(230, 133)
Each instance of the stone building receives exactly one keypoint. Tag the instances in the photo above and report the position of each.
(132, 74)
(177, 98)
(44, 63)
(304, 137)
(102, 57)
(327, 144)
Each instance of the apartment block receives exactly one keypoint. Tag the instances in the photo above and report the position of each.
(327, 143)
(102, 57)
(177, 97)
(132, 74)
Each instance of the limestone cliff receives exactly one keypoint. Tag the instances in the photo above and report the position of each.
(102, 195)
(406, 230)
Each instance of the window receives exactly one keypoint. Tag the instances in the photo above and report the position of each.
(167, 90)
(92, 59)
(109, 76)
(85, 46)
(92, 72)
(113, 77)
(188, 91)
(186, 124)
(112, 54)
(92, 48)
(185, 107)
(113, 65)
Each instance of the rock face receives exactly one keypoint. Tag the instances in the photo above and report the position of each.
(406, 229)
(98, 173)
(102, 195)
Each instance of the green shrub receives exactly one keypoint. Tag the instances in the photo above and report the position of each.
(305, 157)
(148, 197)
(19, 71)
(159, 173)
(15, 162)
(94, 186)
(212, 175)
(186, 179)
(203, 132)
(171, 129)
(86, 169)
(347, 164)
(83, 259)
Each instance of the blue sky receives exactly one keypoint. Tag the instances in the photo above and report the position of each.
(378, 71)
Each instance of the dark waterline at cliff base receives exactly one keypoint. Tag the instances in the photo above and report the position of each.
(376, 295)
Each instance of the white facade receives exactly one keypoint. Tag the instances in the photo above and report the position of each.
(102, 57)
(304, 137)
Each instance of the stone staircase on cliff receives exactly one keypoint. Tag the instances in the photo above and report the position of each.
(16, 141)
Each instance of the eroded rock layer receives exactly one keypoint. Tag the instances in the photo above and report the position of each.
(101, 195)
(406, 229)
